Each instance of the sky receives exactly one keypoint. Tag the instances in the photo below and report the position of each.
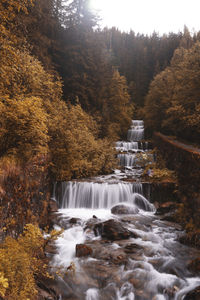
(145, 16)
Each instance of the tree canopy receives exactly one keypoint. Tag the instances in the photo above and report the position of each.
(173, 103)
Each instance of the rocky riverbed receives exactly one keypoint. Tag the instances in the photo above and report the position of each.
(116, 244)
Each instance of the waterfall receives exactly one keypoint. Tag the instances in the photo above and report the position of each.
(127, 160)
(127, 146)
(94, 195)
(136, 132)
(150, 264)
(134, 145)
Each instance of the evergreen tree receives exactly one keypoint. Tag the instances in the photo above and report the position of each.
(117, 109)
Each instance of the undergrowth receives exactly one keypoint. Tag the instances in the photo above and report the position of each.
(22, 260)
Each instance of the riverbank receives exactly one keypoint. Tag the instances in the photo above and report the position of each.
(185, 160)
(119, 247)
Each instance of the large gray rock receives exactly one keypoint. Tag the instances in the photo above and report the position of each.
(112, 230)
(124, 209)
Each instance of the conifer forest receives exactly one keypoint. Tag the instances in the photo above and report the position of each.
(99, 157)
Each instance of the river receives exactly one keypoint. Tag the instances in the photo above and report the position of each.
(128, 253)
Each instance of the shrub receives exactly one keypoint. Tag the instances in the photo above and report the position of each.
(21, 260)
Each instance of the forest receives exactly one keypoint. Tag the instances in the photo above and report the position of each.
(68, 91)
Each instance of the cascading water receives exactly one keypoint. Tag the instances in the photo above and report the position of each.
(149, 265)
(127, 146)
(136, 132)
(127, 149)
(93, 195)
(127, 160)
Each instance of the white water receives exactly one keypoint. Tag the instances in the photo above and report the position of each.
(136, 133)
(127, 160)
(156, 272)
(94, 195)
(66, 245)
(127, 146)
(153, 269)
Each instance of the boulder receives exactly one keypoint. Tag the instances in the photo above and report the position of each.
(63, 222)
(53, 206)
(91, 223)
(132, 248)
(75, 221)
(165, 208)
(170, 217)
(112, 230)
(118, 257)
(123, 209)
(83, 250)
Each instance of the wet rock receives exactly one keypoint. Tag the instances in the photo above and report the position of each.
(112, 230)
(118, 257)
(43, 295)
(51, 289)
(165, 208)
(171, 291)
(123, 209)
(105, 250)
(136, 282)
(101, 272)
(109, 292)
(193, 295)
(75, 221)
(54, 218)
(46, 290)
(170, 217)
(91, 223)
(141, 295)
(132, 248)
(63, 222)
(100, 249)
(79, 282)
(51, 248)
(53, 206)
(83, 250)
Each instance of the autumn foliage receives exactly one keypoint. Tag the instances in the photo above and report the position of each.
(21, 260)
(172, 104)
(42, 139)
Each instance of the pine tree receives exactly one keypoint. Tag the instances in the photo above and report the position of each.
(117, 109)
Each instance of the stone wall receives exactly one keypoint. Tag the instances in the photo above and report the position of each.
(182, 158)
(185, 160)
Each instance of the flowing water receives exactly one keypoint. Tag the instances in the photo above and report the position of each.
(148, 265)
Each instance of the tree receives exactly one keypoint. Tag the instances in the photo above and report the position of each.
(75, 149)
(173, 103)
(77, 14)
(139, 57)
(23, 127)
(117, 110)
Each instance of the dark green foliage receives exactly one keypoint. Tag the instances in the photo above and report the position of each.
(140, 57)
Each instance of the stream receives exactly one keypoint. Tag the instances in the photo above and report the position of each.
(114, 246)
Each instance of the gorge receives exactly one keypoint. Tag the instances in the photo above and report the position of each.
(118, 246)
